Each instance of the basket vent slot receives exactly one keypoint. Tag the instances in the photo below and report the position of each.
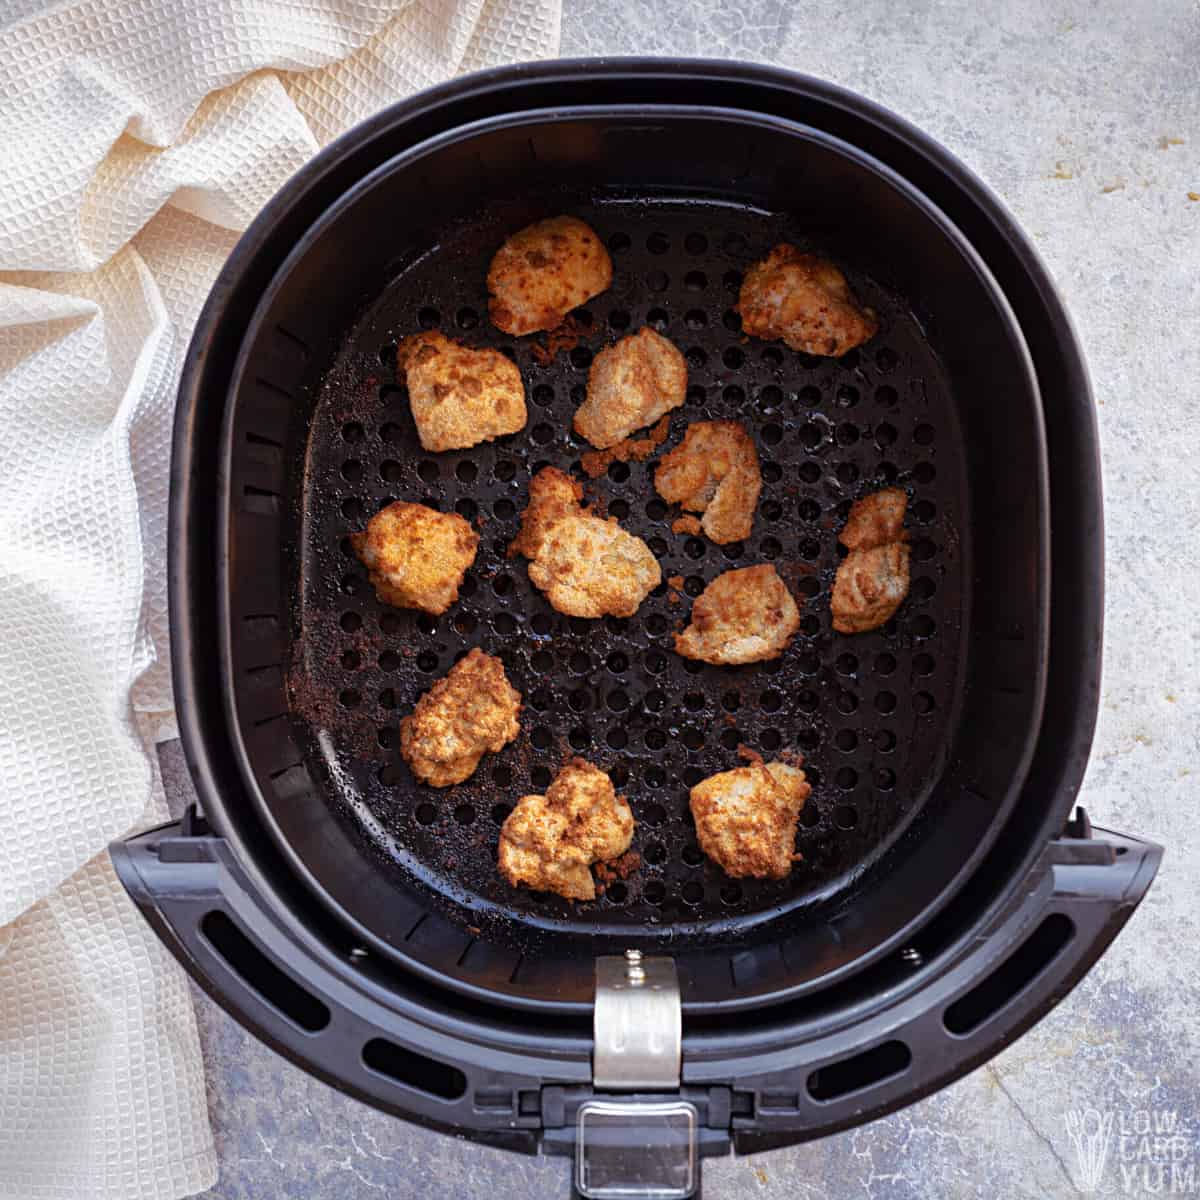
(862, 1071)
(262, 976)
(414, 1070)
(1013, 975)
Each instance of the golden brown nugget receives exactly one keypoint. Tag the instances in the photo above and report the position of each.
(630, 385)
(587, 566)
(714, 471)
(548, 843)
(872, 580)
(805, 300)
(469, 711)
(460, 397)
(544, 271)
(746, 818)
(743, 616)
(416, 556)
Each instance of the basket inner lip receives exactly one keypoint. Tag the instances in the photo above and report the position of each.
(636, 114)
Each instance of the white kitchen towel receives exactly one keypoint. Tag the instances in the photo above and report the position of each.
(137, 139)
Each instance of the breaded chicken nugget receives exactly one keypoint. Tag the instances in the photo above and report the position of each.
(588, 567)
(544, 271)
(714, 470)
(469, 711)
(743, 616)
(746, 818)
(548, 843)
(416, 556)
(460, 397)
(631, 384)
(805, 300)
(872, 580)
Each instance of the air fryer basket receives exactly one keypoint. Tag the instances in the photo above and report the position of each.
(374, 946)
(878, 715)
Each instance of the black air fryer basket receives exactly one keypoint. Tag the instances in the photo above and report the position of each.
(355, 920)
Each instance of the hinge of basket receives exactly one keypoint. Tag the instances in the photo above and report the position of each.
(638, 1024)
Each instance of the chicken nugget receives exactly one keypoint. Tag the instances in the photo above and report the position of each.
(543, 271)
(587, 566)
(714, 471)
(872, 580)
(469, 711)
(548, 843)
(416, 556)
(743, 616)
(460, 397)
(746, 818)
(630, 385)
(805, 300)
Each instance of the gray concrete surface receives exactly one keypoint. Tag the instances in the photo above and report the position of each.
(1084, 116)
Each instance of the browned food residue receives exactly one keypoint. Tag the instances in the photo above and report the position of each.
(747, 754)
(595, 462)
(565, 337)
(618, 868)
(686, 524)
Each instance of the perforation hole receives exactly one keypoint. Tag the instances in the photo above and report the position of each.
(658, 319)
(658, 281)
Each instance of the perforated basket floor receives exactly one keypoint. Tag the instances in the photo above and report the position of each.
(869, 713)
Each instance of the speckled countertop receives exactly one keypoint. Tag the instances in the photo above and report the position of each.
(1085, 117)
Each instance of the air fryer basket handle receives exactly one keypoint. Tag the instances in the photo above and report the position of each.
(1024, 962)
(368, 1040)
(394, 1049)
